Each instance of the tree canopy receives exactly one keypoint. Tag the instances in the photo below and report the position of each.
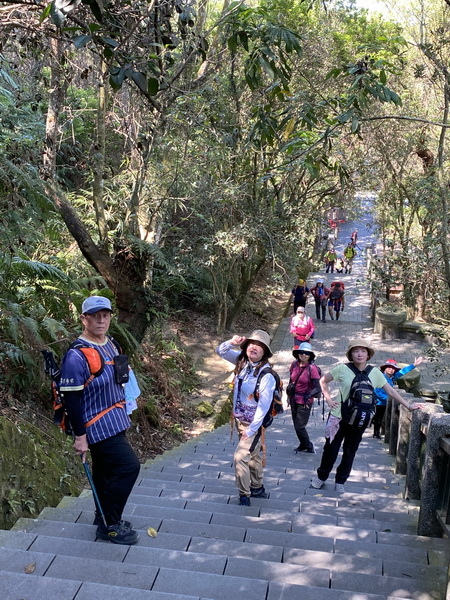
(169, 153)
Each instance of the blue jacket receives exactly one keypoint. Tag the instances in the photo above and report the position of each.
(382, 396)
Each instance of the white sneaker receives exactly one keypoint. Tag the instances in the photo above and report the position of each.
(339, 487)
(316, 483)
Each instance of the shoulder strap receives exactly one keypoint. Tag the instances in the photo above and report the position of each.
(96, 362)
(115, 344)
(258, 381)
(356, 371)
(352, 368)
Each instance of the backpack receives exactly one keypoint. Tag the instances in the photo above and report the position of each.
(319, 370)
(359, 407)
(276, 406)
(336, 293)
(349, 252)
(96, 364)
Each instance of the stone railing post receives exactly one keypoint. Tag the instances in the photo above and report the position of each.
(404, 427)
(394, 418)
(438, 426)
(419, 419)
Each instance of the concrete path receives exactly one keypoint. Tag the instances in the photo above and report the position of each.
(299, 543)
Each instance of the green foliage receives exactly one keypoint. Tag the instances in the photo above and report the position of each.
(205, 409)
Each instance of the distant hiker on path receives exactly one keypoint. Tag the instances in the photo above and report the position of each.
(336, 300)
(304, 384)
(339, 264)
(250, 355)
(392, 372)
(349, 255)
(330, 258)
(302, 327)
(98, 416)
(320, 294)
(300, 294)
(352, 386)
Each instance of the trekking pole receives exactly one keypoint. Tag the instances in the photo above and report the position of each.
(98, 506)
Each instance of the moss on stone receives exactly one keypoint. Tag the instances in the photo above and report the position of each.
(224, 416)
(36, 470)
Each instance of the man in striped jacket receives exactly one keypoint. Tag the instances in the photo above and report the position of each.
(96, 408)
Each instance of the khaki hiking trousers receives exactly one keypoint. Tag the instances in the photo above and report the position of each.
(248, 461)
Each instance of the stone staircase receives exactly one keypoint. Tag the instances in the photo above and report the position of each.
(298, 543)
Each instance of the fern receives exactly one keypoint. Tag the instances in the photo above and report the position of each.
(37, 270)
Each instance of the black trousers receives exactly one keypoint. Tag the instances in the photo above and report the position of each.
(300, 417)
(351, 436)
(115, 468)
(297, 303)
(321, 308)
(380, 410)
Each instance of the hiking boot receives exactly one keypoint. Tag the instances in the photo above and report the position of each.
(377, 436)
(309, 449)
(339, 487)
(258, 492)
(98, 521)
(324, 321)
(316, 483)
(301, 449)
(117, 534)
(244, 501)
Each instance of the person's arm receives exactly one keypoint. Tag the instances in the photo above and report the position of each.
(390, 391)
(324, 381)
(74, 373)
(311, 328)
(293, 327)
(408, 368)
(230, 350)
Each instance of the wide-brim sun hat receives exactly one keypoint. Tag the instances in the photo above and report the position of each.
(358, 343)
(390, 363)
(258, 335)
(303, 347)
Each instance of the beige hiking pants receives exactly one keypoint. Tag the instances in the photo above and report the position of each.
(248, 461)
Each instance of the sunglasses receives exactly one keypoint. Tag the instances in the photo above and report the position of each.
(301, 352)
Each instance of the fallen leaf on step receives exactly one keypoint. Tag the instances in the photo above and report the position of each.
(152, 532)
(31, 568)
(318, 495)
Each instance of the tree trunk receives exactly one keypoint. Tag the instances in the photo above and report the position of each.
(55, 99)
(247, 280)
(98, 159)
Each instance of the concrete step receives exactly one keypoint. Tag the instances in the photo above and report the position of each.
(302, 536)
(14, 586)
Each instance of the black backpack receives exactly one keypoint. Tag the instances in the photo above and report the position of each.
(276, 406)
(359, 407)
